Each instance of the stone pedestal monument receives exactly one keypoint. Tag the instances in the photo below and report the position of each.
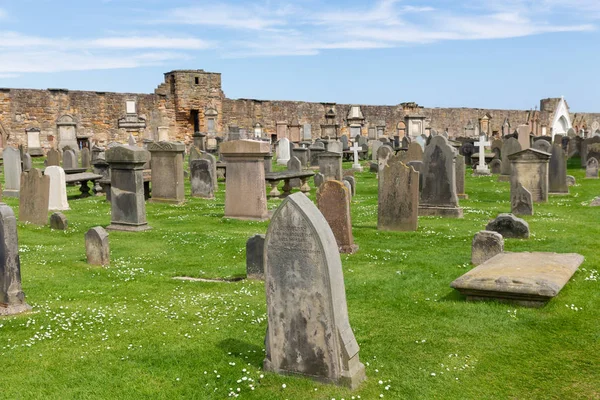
(529, 167)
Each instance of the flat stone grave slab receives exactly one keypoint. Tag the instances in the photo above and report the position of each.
(529, 279)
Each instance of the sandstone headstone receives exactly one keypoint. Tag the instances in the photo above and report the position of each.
(330, 165)
(58, 221)
(523, 133)
(128, 205)
(591, 169)
(255, 257)
(12, 298)
(283, 151)
(34, 147)
(97, 249)
(12, 172)
(542, 145)
(414, 153)
(510, 146)
(509, 226)
(334, 203)
(202, 179)
(438, 197)
(57, 200)
(53, 158)
(530, 168)
(486, 244)
(308, 331)
(459, 165)
(398, 197)
(521, 202)
(245, 194)
(383, 155)
(167, 172)
(557, 171)
(33, 201)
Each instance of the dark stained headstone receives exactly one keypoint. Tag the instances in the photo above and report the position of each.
(202, 179)
(398, 197)
(521, 202)
(485, 245)
(97, 249)
(591, 168)
(255, 257)
(58, 221)
(542, 145)
(34, 198)
(85, 158)
(557, 171)
(530, 169)
(333, 200)
(26, 162)
(509, 226)
(308, 333)
(167, 172)
(70, 159)
(496, 166)
(510, 146)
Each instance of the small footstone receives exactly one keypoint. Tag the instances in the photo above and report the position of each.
(486, 244)
(254, 257)
(96, 246)
(58, 221)
(509, 226)
(595, 202)
(571, 180)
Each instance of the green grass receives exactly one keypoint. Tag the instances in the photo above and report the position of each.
(130, 331)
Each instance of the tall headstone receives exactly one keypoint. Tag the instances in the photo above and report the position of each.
(438, 197)
(53, 158)
(530, 168)
(591, 168)
(383, 155)
(374, 148)
(333, 200)
(523, 134)
(398, 197)
(67, 131)
(58, 189)
(510, 146)
(12, 298)
(294, 165)
(315, 152)
(283, 151)
(70, 159)
(245, 194)
(97, 249)
(345, 143)
(521, 202)
(308, 331)
(12, 172)
(255, 265)
(461, 170)
(330, 166)
(414, 153)
(85, 158)
(167, 172)
(213, 165)
(34, 198)
(128, 205)
(557, 171)
(307, 132)
(202, 179)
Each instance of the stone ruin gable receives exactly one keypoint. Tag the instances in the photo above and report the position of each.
(186, 92)
(456, 119)
(96, 113)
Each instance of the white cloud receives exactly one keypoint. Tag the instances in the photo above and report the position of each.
(150, 42)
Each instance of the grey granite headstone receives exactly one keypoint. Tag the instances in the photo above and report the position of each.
(352, 181)
(542, 145)
(308, 331)
(521, 201)
(26, 162)
(58, 221)
(344, 140)
(509, 226)
(85, 158)
(34, 198)
(202, 179)
(255, 257)
(12, 172)
(97, 248)
(485, 245)
(557, 171)
(398, 196)
(70, 160)
(591, 169)
(330, 165)
(167, 172)
(12, 298)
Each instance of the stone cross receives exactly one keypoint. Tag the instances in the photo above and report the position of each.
(355, 148)
(482, 168)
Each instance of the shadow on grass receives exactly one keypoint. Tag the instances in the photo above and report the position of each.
(453, 296)
(245, 351)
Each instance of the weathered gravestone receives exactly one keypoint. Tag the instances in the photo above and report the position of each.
(374, 148)
(26, 162)
(509, 226)
(294, 165)
(330, 166)
(414, 153)
(213, 165)
(97, 249)
(53, 158)
(585, 145)
(58, 221)
(283, 151)
(485, 245)
(438, 197)
(12, 298)
(315, 152)
(398, 197)
(202, 179)
(245, 194)
(57, 200)
(510, 146)
(521, 202)
(460, 167)
(255, 257)
(167, 172)
(344, 140)
(334, 147)
(557, 171)
(333, 200)
(383, 155)
(352, 181)
(591, 169)
(523, 134)
(70, 159)
(496, 166)
(194, 154)
(301, 153)
(33, 201)
(571, 181)
(128, 205)
(34, 146)
(542, 145)
(308, 331)
(85, 158)
(530, 168)
(12, 172)
(595, 202)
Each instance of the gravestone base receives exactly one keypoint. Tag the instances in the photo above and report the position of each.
(350, 249)
(246, 218)
(10, 193)
(357, 167)
(35, 152)
(503, 178)
(350, 379)
(128, 228)
(481, 172)
(167, 201)
(14, 309)
(462, 196)
(436, 211)
(559, 193)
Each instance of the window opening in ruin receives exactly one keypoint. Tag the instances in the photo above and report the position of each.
(197, 80)
(195, 120)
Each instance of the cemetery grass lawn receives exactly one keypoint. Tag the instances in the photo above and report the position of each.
(131, 331)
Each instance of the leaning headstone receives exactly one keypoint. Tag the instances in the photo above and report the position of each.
(510, 146)
(202, 179)
(33, 201)
(398, 197)
(53, 158)
(12, 172)
(245, 194)
(521, 202)
(509, 226)
(57, 200)
(85, 158)
(557, 171)
(12, 298)
(334, 203)
(530, 168)
(438, 197)
(167, 172)
(591, 169)
(283, 151)
(460, 177)
(58, 221)
(70, 159)
(97, 249)
(128, 205)
(255, 257)
(330, 165)
(485, 245)
(26, 162)
(308, 332)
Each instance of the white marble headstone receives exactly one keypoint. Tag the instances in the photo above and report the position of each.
(58, 189)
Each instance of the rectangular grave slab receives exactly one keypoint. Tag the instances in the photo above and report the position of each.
(529, 279)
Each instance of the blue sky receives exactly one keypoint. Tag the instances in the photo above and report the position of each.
(439, 53)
